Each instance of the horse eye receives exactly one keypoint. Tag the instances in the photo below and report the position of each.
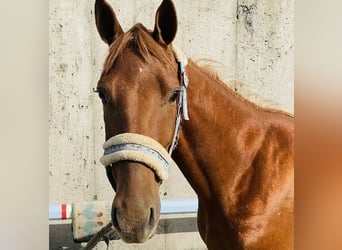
(102, 95)
(174, 96)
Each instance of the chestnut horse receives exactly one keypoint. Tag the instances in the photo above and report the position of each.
(238, 157)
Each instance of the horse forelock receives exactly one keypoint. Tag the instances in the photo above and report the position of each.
(140, 41)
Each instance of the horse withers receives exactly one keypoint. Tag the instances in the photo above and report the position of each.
(237, 156)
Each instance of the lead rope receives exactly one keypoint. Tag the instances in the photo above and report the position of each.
(183, 102)
(106, 234)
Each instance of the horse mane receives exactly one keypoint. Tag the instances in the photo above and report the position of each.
(140, 41)
(209, 69)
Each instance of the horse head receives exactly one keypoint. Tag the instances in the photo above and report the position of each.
(139, 88)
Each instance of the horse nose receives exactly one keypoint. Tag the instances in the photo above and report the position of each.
(152, 217)
(134, 221)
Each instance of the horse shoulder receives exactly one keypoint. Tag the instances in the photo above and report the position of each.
(264, 212)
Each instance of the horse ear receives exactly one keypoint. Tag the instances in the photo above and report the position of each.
(107, 24)
(165, 23)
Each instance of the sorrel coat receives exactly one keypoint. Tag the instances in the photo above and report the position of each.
(237, 156)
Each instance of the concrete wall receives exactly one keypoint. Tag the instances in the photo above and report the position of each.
(252, 41)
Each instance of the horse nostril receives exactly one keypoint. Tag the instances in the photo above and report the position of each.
(152, 216)
(115, 218)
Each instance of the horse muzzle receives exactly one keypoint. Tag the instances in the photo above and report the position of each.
(135, 213)
(136, 223)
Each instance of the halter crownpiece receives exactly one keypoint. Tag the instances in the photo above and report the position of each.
(180, 56)
(144, 149)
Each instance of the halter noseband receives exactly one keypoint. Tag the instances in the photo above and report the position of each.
(144, 149)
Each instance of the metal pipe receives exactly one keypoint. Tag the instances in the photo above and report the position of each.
(177, 206)
(60, 212)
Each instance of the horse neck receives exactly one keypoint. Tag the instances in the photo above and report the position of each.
(209, 140)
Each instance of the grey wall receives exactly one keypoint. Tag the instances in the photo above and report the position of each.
(252, 42)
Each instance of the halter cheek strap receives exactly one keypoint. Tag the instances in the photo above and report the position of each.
(144, 149)
(182, 102)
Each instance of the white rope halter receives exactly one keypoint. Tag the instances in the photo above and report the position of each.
(144, 149)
